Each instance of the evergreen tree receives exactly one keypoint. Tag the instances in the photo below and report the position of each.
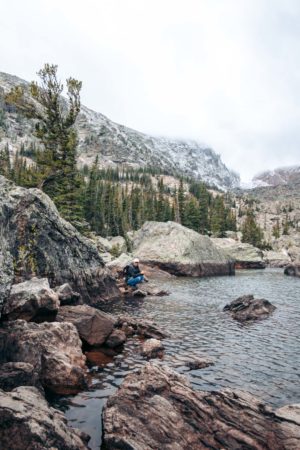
(55, 121)
(251, 231)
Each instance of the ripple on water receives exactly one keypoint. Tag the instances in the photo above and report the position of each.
(262, 358)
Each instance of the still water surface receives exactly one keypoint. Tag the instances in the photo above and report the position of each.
(262, 358)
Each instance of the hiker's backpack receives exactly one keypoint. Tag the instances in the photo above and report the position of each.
(125, 271)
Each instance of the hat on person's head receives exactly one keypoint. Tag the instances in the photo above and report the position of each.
(136, 260)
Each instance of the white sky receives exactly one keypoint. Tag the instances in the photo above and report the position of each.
(225, 72)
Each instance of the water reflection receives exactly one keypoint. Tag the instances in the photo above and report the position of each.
(262, 358)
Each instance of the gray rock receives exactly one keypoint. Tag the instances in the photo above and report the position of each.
(139, 293)
(42, 244)
(198, 363)
(93, 326)
(17, 374)
(290, 412)
(152, 348)
(67, 296)
(179, 250)
(6, 270)
(246, 256)
(156, 408)
(292, 270)
(53, 349)
(276, 259)
(246, 308)
(116, 338)
(27, 422)
(30, 299)
(118, 245)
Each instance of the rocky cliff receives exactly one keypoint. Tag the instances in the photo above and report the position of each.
(36, 241)
(116, 145)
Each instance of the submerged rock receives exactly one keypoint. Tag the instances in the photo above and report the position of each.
(178, 250)
(43, 244)
(246, 256)
(16, 374)
(30, 299)
(152, 348)
(27, 422)
(293, 270)
(142, 327)
(53, 349)
(246, 308)
(93, 326)
(156, 408)
(198, 363)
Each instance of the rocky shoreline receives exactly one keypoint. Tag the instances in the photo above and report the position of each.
(53, 282)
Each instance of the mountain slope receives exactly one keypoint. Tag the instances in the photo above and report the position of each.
(116, 144)
(277, 177)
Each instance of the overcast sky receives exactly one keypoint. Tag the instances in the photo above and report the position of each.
(224, 72)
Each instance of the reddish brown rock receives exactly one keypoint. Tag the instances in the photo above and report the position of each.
(246, 308)
(117, 338)
(27, 422)
(53, 349)
(93, 326)
(17, 374)
(156, 408)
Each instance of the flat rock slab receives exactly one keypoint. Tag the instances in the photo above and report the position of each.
(93, 326)
(30, 299)
(27, 422)
(246, 308)
(53, 349)
(156, 408)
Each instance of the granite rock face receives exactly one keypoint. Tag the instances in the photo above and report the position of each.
(246, 256)
(247, 308)
(179, 250)
(156, 408)
(42, 244)
(27, 422)
(93, 326)
(30, 299)
(53, 349)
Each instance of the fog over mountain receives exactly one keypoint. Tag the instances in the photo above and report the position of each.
(225, 73)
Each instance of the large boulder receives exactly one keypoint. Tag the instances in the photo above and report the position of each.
(53, 349)
(93, 326)
(179, 250)
(292, 270)
(277, 259)
(30, 299)
(156, 408)
(27, 422)
(246, 256)
(247, 308)
(42, 244)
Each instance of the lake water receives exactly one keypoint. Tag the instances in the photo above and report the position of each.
(262, 358)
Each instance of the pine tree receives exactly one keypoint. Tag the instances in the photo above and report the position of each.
(251, 231)
(55, 122)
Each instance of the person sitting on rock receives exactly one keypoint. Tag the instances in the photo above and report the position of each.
(133, 275)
